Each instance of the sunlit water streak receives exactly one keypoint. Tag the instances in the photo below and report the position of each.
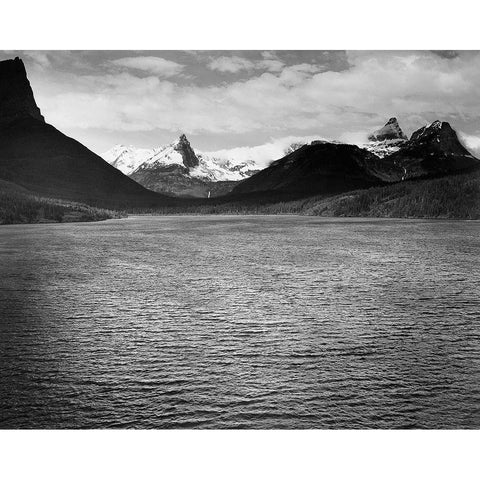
(240, 322)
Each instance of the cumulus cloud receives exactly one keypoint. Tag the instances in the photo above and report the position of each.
(231, 64)
(356, 138)
(154, 65)
(472, 142)
(264, 154)
(270, 64)
(417, 87)
(234, 64)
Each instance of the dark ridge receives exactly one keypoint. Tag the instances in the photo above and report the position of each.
(36, 156)
(16, 95)
(432, 151)
(321, 167)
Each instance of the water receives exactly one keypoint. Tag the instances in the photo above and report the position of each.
(240, 322)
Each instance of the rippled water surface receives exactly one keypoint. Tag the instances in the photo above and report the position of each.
(240, 322)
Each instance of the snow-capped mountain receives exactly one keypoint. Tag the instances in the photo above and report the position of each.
(177, 169)
(386, 140)
(383, 148)
(128, 158)
(390, 131)
(324, 167)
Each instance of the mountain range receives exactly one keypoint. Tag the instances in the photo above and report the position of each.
(387, 173)
(325, 167)
(177, 169)
(317, 166)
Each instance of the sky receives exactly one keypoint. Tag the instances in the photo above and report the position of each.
(229, 99)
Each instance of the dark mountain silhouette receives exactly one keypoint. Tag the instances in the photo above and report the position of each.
(16, 95)
(432, 151)
(35, 155)
(321, 167)
(328, 168)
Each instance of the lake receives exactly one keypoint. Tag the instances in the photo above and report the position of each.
(240, 322)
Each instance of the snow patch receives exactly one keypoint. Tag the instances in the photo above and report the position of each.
(232, 164)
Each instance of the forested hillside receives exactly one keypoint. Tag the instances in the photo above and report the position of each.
(18, 205)
(454, 196)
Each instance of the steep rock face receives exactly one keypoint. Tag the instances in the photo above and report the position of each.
(319, 168)
(390, 131)
(168, 170)
(176, 169)
(36, 156)
(432, 150)
(386, 140)
(16, 95)
(183, 147)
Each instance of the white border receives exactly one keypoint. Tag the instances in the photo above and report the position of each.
(250, 24)
(230, 455)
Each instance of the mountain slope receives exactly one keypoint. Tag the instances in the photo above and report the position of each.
(176, 169)
(386, 140)
(179, 154)
(18, 205)
(453, 196)
(321, 167)
(390, 131)
(38, 157)
(327, 168)
(432, 150)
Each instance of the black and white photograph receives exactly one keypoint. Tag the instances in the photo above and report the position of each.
(254, 239)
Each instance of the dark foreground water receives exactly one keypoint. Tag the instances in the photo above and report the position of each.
(240, 322)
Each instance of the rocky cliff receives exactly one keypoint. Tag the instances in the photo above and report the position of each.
(16, 95)
(390, 131)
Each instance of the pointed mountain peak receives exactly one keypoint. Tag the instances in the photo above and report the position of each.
(16, 95)
(390, 131)
(182, 146)
(439, 138)
(183, 139)
(435, 129)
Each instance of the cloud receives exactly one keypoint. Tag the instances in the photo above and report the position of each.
(356, 138)
(472, 142)
(234, 64)
(306, 99)
(154, 65)
(446, 53)
(264, 154)
(41, 59)
(272, 65)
